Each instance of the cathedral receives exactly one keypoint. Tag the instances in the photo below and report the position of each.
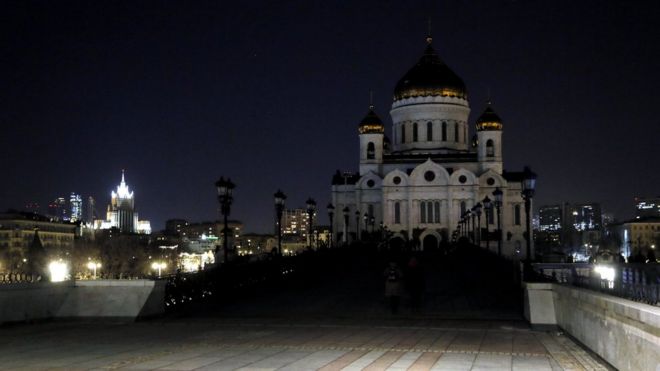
(417, 185)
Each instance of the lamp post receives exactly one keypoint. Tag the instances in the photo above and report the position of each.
(498, 194)
(94, 266)
(487, 206)
(478, 211)
(365, 219)
(280, 197)
(346, 211)
(331, 214)
(225, 190)
(311, 210)
(372, 221)
(528, 186)
(357, 225)
(467, 221)
(473, 214)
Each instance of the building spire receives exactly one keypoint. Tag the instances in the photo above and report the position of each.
(122, 176)
(371, 100)
(429, 38)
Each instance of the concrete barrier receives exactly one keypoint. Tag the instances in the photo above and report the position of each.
(116, 299)
(624, 333)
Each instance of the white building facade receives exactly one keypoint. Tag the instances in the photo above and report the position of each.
(418, 185)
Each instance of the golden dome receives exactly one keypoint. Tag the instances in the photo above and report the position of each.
(489, 120)
(371, 123)
(430, 77)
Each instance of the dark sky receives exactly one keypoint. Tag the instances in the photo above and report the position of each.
(270, 93)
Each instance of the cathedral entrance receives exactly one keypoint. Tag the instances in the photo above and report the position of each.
(430, 243)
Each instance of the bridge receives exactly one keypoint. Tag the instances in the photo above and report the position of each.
(324, 310)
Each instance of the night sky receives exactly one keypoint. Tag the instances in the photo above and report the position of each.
(270, 94)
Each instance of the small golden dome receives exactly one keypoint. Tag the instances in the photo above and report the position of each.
(489, 120)
(371, 123)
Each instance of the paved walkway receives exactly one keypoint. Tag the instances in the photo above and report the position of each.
(214, 344)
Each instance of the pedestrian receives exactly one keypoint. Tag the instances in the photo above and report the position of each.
(393, 285)
(415, 283)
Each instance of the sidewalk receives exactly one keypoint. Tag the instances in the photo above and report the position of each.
(204, 344)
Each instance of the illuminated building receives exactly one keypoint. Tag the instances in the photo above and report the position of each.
(638, 235)
(57, 209)
(90, 210)
(121, 212)
(647, 207)
(17, 233)
(75, 204)
(436, 166)
(550, 218)
(295, 224)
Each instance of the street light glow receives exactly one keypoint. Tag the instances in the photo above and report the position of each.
(58, 271)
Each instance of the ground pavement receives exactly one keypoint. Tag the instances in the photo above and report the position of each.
(332, 317)
(205, 344)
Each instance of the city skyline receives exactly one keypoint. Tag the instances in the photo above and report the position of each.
(271, 96)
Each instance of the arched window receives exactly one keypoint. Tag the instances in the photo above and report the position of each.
(491, 215)
(462, 208)
(371, 151)
(516, 215)
(429, 131)
(403, 133)
(444, 131)
(456, 132)
(397, 213)
(436, 211)
(370, 210)
(490, 148)
(422, 212)
(414, 132)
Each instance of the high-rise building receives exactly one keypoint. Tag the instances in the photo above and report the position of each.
(646, 207)
(90, 210)
(57, 209)
(583, 217)
(550, 218)
(121, 212)
(295, 223)
(75, 205)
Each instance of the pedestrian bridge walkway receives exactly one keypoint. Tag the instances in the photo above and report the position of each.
(214, 344)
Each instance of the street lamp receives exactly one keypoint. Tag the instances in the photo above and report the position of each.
(331, 214)
(467, 221)
(473, 214)
(478, 211)
(346, 212)
(159, 266)
(225, 190)
(280, 197)
(488, 205)
(365, 218)
(93, 266)
(311, 209)
(528, 186)
(497, 193)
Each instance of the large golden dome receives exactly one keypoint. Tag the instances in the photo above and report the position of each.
(430, 77)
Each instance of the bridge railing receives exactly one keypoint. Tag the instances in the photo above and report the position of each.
(634, 281)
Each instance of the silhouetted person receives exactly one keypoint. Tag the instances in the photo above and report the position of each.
(393, 286)
(416, 282)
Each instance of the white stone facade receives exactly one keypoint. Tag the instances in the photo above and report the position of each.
(419, 185)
